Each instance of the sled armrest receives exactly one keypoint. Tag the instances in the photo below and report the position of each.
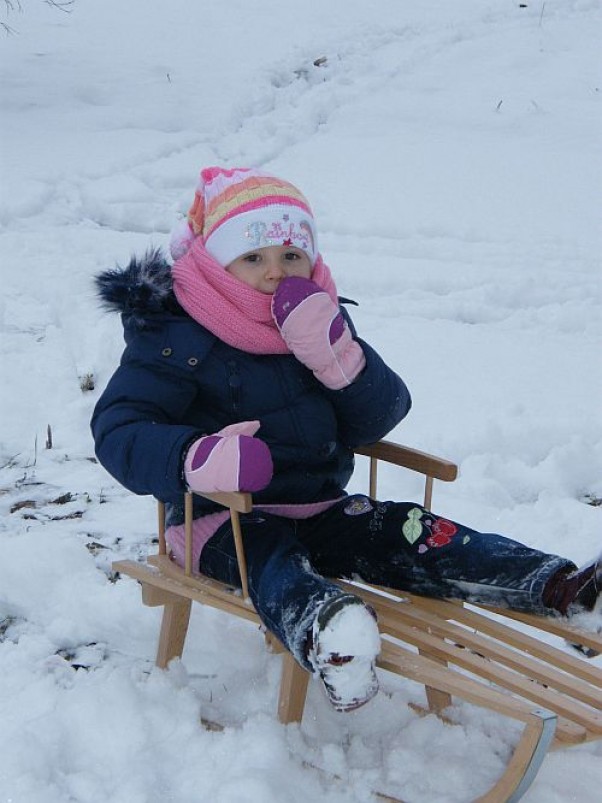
(433, 467)
(235, 500)
(422, 462)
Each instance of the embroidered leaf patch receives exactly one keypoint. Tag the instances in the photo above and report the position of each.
(412, 528)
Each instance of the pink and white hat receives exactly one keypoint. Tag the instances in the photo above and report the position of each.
(236, 211)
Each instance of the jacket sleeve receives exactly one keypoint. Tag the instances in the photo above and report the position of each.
(373, 404)
(135, 424)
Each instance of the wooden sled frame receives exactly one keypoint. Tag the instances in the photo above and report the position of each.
(451, 649)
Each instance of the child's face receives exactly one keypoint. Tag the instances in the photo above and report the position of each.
(264, 268)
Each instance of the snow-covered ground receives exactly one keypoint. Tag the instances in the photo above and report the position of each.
(451, 151)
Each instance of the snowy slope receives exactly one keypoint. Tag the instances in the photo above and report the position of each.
(451, 152)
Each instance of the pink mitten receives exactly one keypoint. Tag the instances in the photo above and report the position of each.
(230, 460)
(313, 328)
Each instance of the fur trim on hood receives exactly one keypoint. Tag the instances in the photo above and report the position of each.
(143, 288)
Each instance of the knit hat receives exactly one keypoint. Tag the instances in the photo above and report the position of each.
(236, 211)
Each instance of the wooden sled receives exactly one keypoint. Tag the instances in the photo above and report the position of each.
(498, 659)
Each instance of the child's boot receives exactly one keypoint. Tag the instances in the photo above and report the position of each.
(344, 645)
(574, 592)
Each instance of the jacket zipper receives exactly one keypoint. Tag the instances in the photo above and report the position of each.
(234, 385)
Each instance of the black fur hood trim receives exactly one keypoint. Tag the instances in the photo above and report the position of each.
(142, 288)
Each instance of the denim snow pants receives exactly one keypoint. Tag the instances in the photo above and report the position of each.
(396, 544)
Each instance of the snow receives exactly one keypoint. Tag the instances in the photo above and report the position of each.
(451, 152)
(350, 633)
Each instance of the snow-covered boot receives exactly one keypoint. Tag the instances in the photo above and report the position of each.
(344, 644)
(575, 592)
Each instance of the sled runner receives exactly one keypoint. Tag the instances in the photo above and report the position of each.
(498, 659)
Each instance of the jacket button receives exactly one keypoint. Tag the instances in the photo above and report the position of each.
(192, 361)
(166, 352)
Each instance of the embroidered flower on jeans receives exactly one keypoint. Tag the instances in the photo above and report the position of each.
(358, 505)
(442, 532)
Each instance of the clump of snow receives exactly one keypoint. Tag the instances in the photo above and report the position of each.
(345, 645)
(451, 153)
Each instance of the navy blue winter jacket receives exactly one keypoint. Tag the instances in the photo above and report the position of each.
(177, 381)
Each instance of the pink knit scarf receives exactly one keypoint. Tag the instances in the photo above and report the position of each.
(236, 313)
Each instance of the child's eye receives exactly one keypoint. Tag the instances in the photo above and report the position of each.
(252, 258)
(291, 255)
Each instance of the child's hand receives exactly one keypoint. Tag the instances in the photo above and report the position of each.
(230, 460)
(313, 328)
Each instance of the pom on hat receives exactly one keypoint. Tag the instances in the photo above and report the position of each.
(239, 210)
(181, 238)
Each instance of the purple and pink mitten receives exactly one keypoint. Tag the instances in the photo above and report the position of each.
(229, 460)
(314, 329)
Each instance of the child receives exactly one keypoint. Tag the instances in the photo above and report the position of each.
(242, 372)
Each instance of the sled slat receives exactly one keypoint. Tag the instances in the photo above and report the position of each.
(510, 680)
(538, 671)
(533, 646)
(396, 658)
(206, 593)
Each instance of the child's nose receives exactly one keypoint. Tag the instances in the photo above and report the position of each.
(275, 270)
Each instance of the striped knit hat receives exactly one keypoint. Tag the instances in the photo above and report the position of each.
(239, 210)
